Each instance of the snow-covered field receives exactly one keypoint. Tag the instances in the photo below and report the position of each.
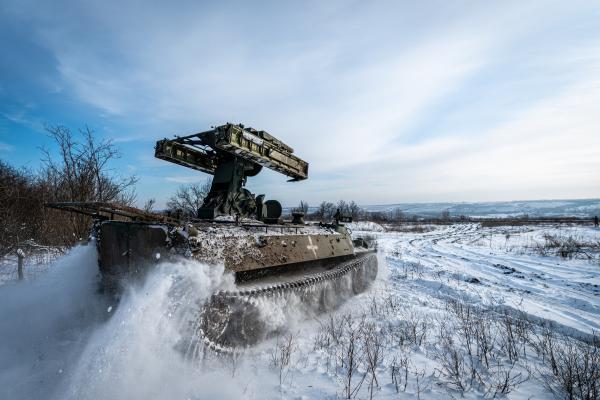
(502, 267)
(456, 311)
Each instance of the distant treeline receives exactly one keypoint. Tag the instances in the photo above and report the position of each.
(326, 211)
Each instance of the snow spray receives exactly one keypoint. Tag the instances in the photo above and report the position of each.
(44, 324)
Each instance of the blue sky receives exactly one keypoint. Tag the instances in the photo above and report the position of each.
(389, 101)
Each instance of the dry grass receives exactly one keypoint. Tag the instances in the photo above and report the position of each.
(568, 247)
(472, 348)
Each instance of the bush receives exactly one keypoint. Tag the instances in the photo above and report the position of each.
(573, 366)
(80, 173)
(567, 247)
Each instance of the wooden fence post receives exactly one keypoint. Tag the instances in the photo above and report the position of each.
(20, 258)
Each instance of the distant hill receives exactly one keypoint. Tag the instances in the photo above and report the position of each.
(494, 209)
(499, 209)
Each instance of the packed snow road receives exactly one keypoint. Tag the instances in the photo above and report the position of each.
(500, 267)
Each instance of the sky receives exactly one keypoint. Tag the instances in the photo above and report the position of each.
(389, 101)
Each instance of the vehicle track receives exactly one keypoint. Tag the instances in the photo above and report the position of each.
(232, 320)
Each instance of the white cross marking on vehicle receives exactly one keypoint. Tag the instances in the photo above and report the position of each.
(312, 246)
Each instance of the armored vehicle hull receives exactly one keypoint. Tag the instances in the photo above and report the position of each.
(317, 266)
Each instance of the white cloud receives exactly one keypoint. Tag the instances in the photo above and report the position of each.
(185, 179)
(137, 138)
(388, 101)
(547, 150)
(22, 117)
(6, 147)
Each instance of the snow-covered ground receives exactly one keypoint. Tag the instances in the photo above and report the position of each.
(437, 288)
(502, 267)
(456, 311)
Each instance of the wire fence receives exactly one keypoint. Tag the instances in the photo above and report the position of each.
(37, 260)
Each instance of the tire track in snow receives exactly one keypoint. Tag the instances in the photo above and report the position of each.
(548, 287)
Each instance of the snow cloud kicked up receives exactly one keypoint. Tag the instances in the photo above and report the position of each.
(63, 338)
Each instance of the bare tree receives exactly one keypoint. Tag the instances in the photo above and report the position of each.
(81, 173)
(397, 214)
(149, 205)
(354, 210)
(325, 211)
(302, 207)
(343, 208)
(189, 198)
(445, 215)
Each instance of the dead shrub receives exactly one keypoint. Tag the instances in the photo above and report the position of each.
(573, 366)
(373, 347)
(399, 368)
(567, 247)
(453, 368)
(351, 356)
(503, 380)
(281, 356)
(411, 330)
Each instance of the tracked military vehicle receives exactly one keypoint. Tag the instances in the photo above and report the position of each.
(318, 264)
